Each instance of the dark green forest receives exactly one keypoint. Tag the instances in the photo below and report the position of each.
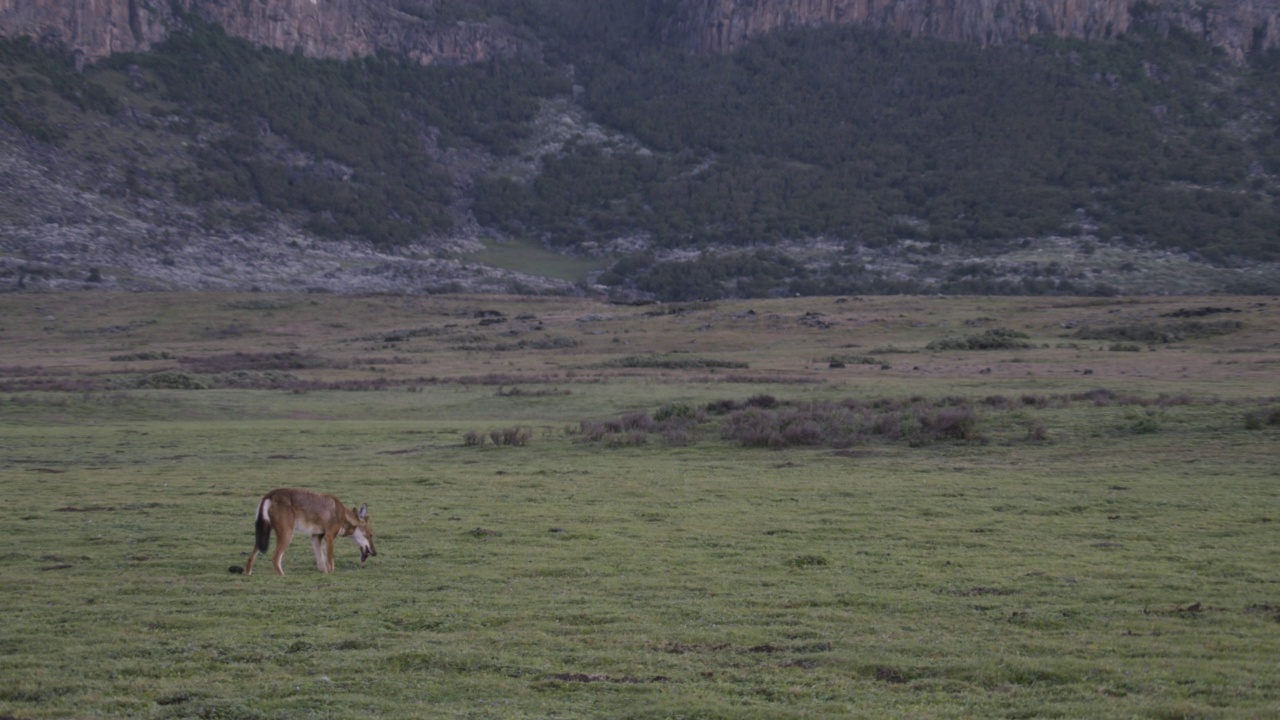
(860, 137)
(373, 116)
(871, 137)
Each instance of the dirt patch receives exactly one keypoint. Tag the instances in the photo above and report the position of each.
(1272, 610)
(676, 647)
(1192, 610)
(1199, 312)
(602, 677)
(984, 591)
(891, 675)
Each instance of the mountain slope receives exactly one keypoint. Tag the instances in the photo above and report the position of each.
(870, 139)
(828, 160)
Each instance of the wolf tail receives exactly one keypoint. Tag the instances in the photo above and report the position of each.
(262, 528)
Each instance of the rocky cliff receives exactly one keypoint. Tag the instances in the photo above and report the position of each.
(319, 28)
(354, 28)
(1238, 26)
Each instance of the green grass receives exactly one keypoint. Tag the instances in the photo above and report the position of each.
(1125, 566)
(532, 258)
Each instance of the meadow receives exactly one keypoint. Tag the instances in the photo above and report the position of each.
(859, 507)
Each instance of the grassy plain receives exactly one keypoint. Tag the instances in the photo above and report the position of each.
(1103, 545)
(531, 257)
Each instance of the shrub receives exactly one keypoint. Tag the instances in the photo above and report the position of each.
(254, 361)
(801, 562)
(843, 424)
(843, 360)
(675, 411)
(752, 427)
(998, 402)
(638, 420)
(172, 380)
(628, 439)
(1099, 396)
(670, 363)
(591, 430)
(149, 355)
(889, 424)
(551, 342)
(803, 432)
(722, 407)
(676, 425)
(515, 436)
(951, 423)
(1037, 432)
(521, 392)
(993, 339)
(1142, 424)
(677, 436)
(1149, 332)
(1259, 419)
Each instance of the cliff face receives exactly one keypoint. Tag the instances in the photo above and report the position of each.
(1238, 26)
(354, 28)
(357, 28)
(95, 28)
(320, 28)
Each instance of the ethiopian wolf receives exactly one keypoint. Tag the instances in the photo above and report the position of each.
(322, 516)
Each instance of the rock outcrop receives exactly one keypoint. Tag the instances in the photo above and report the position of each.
(1238, 26)
(318, 28)
(93, 28)
(355, 28)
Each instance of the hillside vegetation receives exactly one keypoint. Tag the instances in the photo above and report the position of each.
(862, 144)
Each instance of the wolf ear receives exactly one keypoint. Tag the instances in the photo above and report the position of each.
(363, 512)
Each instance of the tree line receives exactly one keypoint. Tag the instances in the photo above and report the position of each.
(870, 137)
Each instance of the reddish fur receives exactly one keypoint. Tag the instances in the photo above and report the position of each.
(283, 509)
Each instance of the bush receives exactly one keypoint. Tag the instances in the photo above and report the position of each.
(1099, 396)
(1260, 419)
(993, 339)
(515, 436)
(670, 363)
(838, 361)
(949, 423)
(997, 402)
(233, 362)
(172, 380)
(1037, 431)
(800, 562)
(1142, 424)
(638, 420)
(843, 424)
(675, 411)
(148, 355)
(722, 407)
(1153, 333)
